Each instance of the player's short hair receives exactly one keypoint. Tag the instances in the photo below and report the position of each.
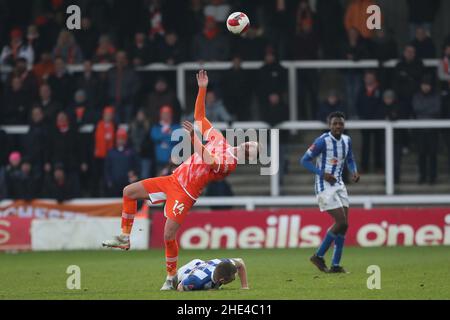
(225, 270)
(335, 114)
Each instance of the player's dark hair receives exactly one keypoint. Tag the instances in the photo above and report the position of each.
(335, 114)
(225, 270)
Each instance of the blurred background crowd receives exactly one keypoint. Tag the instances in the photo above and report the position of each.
(55, 160)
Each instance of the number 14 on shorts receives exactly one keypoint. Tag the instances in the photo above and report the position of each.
(178, 207)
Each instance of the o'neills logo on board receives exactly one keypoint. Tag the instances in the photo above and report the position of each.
(279, 232)
(306, 228)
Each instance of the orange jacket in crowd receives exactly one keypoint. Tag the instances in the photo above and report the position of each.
(104, 139)
(356, 17)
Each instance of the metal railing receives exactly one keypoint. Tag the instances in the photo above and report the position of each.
(291, 67)
(251, 203)
(387, 126)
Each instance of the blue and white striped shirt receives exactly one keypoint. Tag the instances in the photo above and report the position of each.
(198, 274)
(331, 155)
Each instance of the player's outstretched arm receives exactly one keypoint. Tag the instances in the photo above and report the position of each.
(199, 112)
(199, 148)
(242, 272)
(307, 160)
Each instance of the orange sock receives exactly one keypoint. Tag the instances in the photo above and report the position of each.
(128, 213)
(171, 256)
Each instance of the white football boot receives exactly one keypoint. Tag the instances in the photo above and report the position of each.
(120, 242)
(170, 283)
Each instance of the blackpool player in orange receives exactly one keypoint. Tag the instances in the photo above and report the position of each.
(213, 161)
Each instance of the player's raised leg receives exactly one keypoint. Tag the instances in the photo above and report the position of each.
(131, 194)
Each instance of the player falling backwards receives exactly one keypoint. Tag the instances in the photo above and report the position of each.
(211, 274)
(210, 162)
(331, 151)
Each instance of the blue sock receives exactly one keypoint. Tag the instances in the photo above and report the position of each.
(338, 247)
(326, 243)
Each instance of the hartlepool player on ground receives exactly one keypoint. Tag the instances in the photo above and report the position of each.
(211, 162)
(212, 274)
(331, 151)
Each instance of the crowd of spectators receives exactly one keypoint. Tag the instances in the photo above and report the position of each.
(54, 159)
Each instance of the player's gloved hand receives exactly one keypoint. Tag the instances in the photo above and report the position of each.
(355, 177)
(328, 177)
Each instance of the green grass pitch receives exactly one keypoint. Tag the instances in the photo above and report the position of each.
(406, 273)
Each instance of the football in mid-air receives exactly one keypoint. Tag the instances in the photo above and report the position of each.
(238, 22)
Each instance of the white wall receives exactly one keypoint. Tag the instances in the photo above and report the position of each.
(61, 234)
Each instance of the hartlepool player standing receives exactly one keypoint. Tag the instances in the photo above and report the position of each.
(331, 151)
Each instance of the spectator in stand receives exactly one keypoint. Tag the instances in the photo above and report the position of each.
(140, 52)
(123, 84)
(156, 24)
(13, 174)
(369, 107)
(279, 15)
(443, 72)
(104, 142)
(237, 91)
(408, 74)
(4, 157)
(383, 47)
(331, 104)
(276, 112)
(161, 135)
(90, 83)
(46, 102)
(211, 44)
(62, 83)
(67, 48)
(251, 45)
(330, 15)
(214, 108)
(87, 37)
(60, 185)
(23, 183)
(354, 49)
(16, 49)
(392, 113)
(422, 13)
(65, 148)
(34, 40)
(29, 82)
(141, 143)
(306, 47)
(195, 19)
(35, 142)
(121, 165)
(105, 51)
(17, 103)
(444, 77)
(356, 17)
(172, 50)
(272, 77)
(79, 110)
(424, 45)
(162, 95)
(218, 9)
(427, 105)
(44, 68)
